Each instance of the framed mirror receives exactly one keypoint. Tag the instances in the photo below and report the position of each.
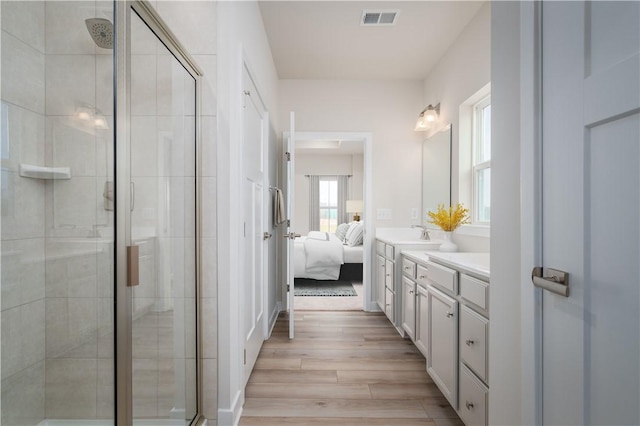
(436, 172)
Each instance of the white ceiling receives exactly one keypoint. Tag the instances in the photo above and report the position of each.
(324, 39)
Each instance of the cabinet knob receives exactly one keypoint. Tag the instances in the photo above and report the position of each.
(406, 268)
(469, 405)
(469, 342)
(410, 291)
(422, 277)
(388, 275)
(449, 314)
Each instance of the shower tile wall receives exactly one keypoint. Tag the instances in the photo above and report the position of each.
(23, 224)
(56, 275)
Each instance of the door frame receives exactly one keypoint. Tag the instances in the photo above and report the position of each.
(123, 321)
(368, 304)
(530, 209)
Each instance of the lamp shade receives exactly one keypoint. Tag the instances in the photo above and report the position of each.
(354, 206)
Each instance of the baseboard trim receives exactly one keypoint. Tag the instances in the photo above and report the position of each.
(274, 317)
(232, 415)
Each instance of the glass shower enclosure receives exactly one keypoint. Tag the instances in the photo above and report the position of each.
(98, 150)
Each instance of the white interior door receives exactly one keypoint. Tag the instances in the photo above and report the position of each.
(289, 170)
(591, 211)
(253, 210)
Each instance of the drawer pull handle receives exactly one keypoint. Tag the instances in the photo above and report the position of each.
(407, 268)
(469, 342)
(410, 291)
(422, 277)
(449, 314)
(469, 405)
(388, 275)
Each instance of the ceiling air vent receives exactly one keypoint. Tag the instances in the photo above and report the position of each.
(379, 17)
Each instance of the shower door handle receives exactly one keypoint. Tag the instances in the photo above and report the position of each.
(133, 269)
(132, 196)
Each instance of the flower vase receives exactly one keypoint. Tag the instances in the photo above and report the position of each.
(448, 245)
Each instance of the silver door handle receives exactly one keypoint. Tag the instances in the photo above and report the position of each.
(552, 280)
(266, 236)
(449, 314)
(291, 235)
(469, 342)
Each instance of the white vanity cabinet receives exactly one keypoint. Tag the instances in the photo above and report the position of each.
(451, 326)
(390, 290)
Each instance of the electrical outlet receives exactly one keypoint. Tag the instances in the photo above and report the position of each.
(383, 214)
(415, 213)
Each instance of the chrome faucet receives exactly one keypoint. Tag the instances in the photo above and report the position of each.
(425, 232)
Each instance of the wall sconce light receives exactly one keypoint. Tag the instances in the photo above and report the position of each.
(354, 206)
(427, 116)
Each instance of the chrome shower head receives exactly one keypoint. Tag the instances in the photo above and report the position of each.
(101, 31)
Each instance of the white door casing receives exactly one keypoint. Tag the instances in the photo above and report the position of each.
(289, 169)
(590, 345)
(253, 188)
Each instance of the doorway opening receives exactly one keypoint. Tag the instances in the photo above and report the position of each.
(329, 202)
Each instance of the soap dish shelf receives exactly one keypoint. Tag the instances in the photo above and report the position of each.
(41, 172)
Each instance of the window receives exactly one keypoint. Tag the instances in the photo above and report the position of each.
(481, 162)
(328, 204)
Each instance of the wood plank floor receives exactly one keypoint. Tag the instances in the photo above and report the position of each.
(343, 368)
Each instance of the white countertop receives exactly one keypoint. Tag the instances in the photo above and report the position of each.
(405, 236)
(473, 263)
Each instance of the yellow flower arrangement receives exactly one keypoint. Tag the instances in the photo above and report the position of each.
(449, 219)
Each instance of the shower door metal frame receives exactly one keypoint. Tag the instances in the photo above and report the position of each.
(122, 102)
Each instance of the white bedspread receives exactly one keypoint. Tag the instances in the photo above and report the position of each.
(319, 259)
(323, 253)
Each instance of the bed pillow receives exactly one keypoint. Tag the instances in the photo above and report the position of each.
(355, 234)
(317, 235)
(341, 231)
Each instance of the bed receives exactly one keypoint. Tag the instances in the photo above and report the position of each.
(323, 256)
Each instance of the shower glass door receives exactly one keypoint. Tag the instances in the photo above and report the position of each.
(162, 224)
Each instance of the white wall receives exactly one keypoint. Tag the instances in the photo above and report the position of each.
(463, 70)
(329, 165)
(505, 355)
(387, 109)
(241, 36)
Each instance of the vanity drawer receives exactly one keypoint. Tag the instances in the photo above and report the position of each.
(380, 247)
(474, 337)
(474, 399)
(475, 291)
(388, 251)
(442, 277)
(421, 276)
(409, 268)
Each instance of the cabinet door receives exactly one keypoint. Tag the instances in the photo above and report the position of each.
(389, 305)
(389, 275)
(442, 361)
(422, 320)
(380, 281)
(409, 307)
